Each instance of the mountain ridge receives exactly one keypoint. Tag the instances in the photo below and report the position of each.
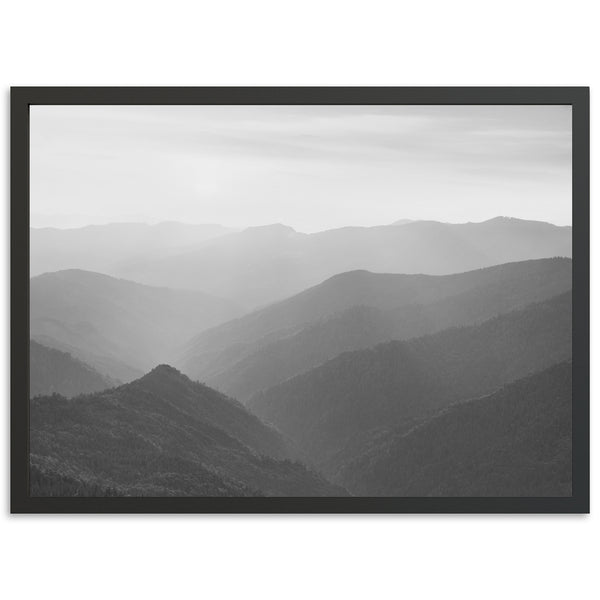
(513, 442)
(267, 264)
(165, 435)
(397, 306)
(117, 320)
(52, 371)
(103, 247)
(321, 409)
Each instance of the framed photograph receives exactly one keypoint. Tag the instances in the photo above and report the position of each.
(300, 300)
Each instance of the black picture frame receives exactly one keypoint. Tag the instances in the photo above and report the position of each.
(23, 97)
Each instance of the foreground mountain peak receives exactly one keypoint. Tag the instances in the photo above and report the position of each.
(164, 371)
(163, 377)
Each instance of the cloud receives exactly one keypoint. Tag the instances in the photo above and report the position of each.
(103, 160)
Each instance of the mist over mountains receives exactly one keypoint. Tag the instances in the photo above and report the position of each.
(357, 310)
(263, 264)
(260, 265)
(323, 409)
(102, 247)
(131, 324)
(418, 358)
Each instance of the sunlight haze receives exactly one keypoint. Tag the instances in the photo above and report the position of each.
(310, 167)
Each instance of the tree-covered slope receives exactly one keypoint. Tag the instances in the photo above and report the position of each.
(48, 483)
(324, 408)
(106, 365)
(514, 442)
(486, 294)
(54, 372)
(317, 342)
(357, 310)
(165, 435)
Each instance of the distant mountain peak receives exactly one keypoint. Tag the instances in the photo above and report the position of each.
(501, 219)
(74, 272)
(273, 228)
(498, 220)
(350, 274)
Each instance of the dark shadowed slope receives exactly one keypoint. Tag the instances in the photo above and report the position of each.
(357, 310)
(106, 365)
(264, 264)
(46, 482)
(210, 406)
(104, 247)
(514, 442)
(52, 371)
(165, 435)
(322, 409)
(124, 321)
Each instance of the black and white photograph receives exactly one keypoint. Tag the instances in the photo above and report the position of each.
(300, 301)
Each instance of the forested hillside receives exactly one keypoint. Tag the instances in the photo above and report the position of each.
(514, 442)
(324, 408)
(55, 372)
(47, 483)
(265, 347)
(485, 294)
(165, 435)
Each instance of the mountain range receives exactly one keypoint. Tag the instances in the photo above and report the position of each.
(513, 442)
(118, 327)
(264, 264)
(260, 265)
(413, 359)
(103, 247)
(356, 310)
(54, 372)
(325, 408)
(163, 435)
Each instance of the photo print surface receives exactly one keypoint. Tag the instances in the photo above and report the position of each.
(300, 301)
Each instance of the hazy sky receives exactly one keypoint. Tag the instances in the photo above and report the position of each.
(311, 167)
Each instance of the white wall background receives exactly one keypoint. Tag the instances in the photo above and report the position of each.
(308, 42)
